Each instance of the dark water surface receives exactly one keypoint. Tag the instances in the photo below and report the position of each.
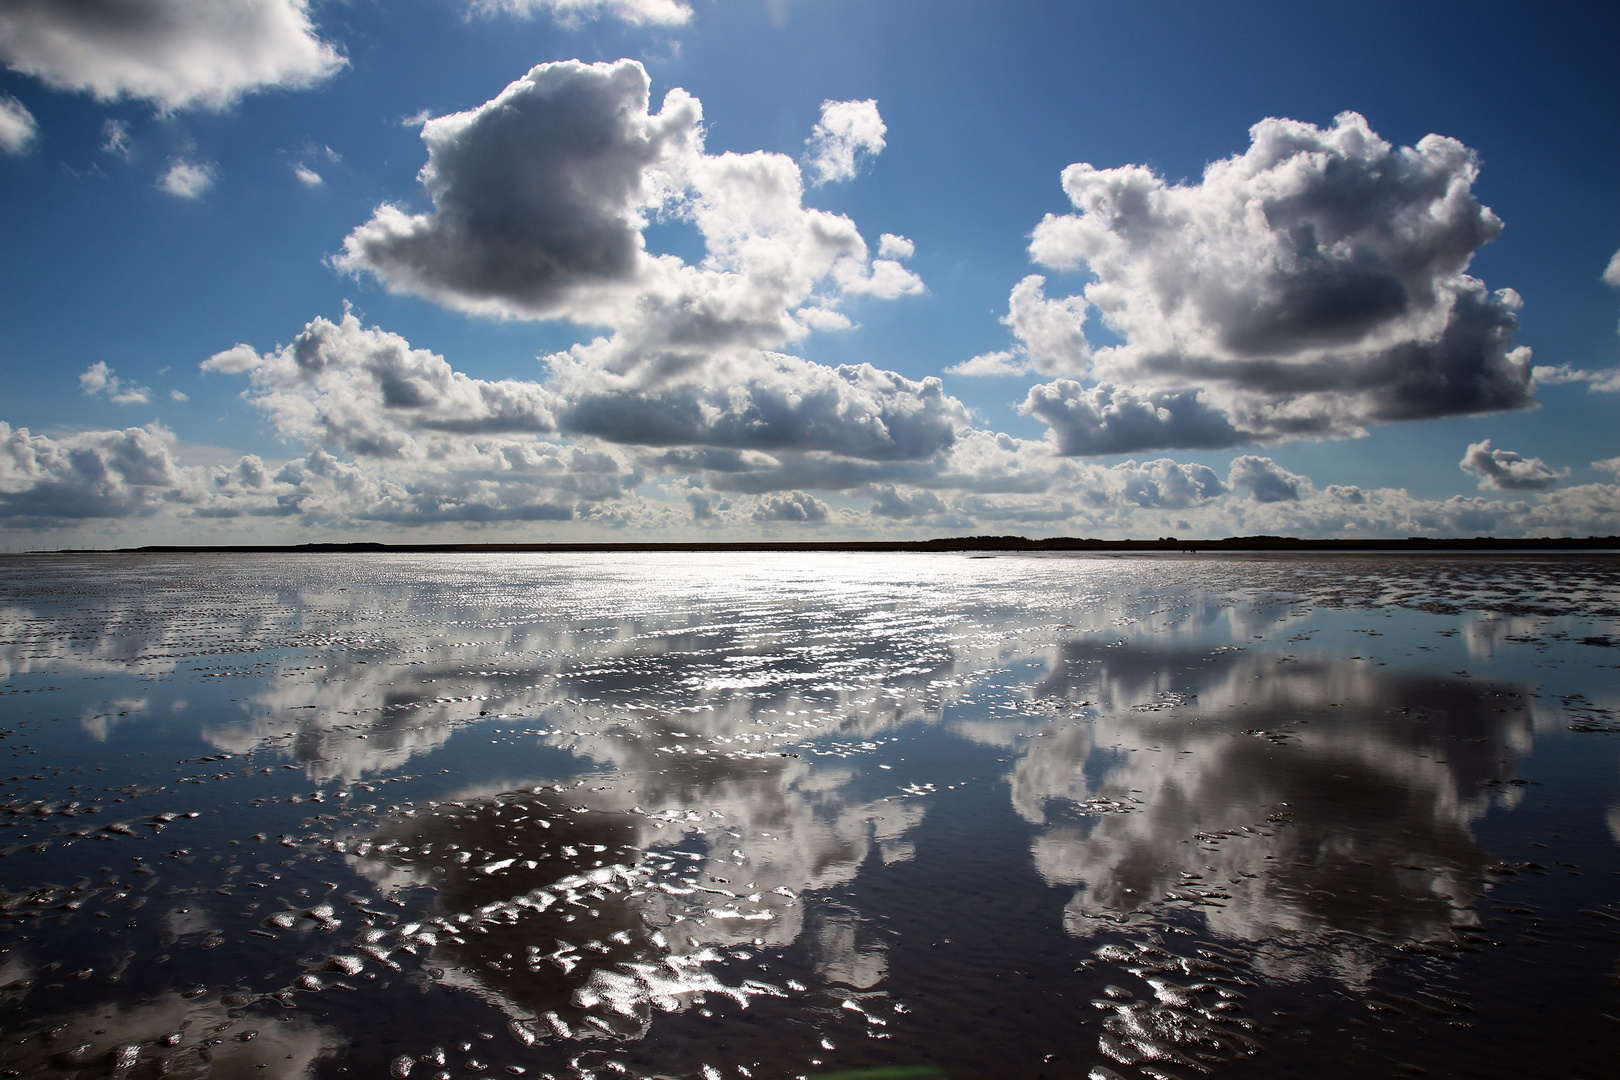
(784, 816)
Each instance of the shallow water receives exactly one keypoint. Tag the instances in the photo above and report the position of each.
(786, 815)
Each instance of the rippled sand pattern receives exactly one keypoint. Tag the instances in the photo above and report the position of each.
(791, 816)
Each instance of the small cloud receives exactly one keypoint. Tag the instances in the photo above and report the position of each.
(331, 155)
(848, 133)
(891, 246)
(1504, 470)
(95, 377)
(18, 129)
(820, 318)
(309, 177)
(571, 14)
(187, 179)
(1602, 382)
(179, 395)
(115, 139)
(98, 380)
(990, 364)
(416, 119)
(232, 361)
(1612, 273)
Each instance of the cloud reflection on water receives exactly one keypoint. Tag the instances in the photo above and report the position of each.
(668, 790)
(1288, 802)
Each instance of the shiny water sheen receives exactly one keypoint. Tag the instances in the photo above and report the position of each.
(788, 816)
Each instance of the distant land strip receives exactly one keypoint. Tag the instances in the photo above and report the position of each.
(956, 543)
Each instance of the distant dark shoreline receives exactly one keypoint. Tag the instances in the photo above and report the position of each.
(942, 544)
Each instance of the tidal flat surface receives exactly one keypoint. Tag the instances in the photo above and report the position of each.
(769, 815)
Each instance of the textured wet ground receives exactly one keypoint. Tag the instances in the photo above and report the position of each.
(788, 816)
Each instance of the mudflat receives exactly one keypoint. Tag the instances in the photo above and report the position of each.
(788, 814)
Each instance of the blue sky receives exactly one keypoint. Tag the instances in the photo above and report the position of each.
(242, 303)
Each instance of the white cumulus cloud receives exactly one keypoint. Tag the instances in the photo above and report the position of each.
(1602, 381)
(233, 361)
(999, 363)
(902, 503)
(983, 482)
(98, 380)
(94, 474)
(1504, 470)
(18, 129)
(1310, 286)
(539, 196)
(1112, 419)
(1265, 480)
(307, 176)
(187, 179)
(848, 134)
(173, 53)
(766, 402)
(891, 246)
(1050, 335)
(367, 391)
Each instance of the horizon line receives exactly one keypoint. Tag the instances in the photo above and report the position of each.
(989, 543)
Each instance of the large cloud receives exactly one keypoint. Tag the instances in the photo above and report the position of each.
(538, 195)
(94, 474)
(540, 200)
(367, 391)
(1266, 481)
(60, 481)
(905, 503)
(1504, 470)
(130, 485)
(484, 483)
(173, 53)
(428, 443)
(1308, 287)
(1109, 419)
(772, 402)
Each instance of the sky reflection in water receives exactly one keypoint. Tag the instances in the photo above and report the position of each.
(781, 815)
